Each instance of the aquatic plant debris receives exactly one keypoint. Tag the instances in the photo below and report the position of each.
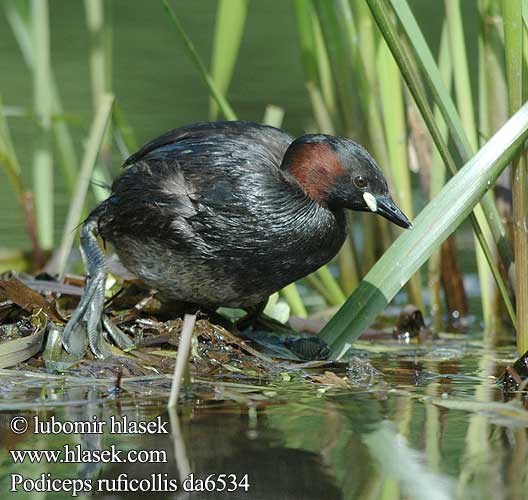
(222, 366)
(515, 376)
(31, 320)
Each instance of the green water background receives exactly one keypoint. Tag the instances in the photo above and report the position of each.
(154, 81)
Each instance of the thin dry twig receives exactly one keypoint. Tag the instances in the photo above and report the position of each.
(181, 359)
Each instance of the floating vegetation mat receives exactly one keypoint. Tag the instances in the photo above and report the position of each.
(254, 370)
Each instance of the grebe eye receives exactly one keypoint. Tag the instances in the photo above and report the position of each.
(360, 181)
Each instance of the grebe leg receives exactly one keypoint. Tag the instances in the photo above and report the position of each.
(252, 316)
(86, 324)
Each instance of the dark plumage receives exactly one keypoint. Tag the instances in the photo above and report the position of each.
(226, 213)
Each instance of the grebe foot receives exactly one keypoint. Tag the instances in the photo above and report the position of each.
(85, 325)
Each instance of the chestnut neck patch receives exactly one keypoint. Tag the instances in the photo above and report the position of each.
(316, 167)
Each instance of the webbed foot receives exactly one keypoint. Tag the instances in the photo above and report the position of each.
(86, 323)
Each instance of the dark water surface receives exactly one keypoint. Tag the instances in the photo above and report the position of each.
(424, 430)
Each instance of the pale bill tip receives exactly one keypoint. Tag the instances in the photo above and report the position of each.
(370, 201)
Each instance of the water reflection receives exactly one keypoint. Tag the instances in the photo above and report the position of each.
(410, 439)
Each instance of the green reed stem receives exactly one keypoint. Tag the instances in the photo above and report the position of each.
(100, 31)
(433, 80)
(229, 28)
(513, 44)
(493, 91)
(467, 115)
(215, 92)
(326, 78)
(318, 77)
(366, 40)
(403, 60)
(493, 99)
(348, 273)
(391, 92)
(318, 47)
(95, 141)
(304, 15)
(438, 178)
(332, 285)
(42, 156)
(8, 157)
(292, 296)
(123, 132)
(334, 20)
(367, 74)
(21, 29)
(11, 165)
(273, 115)
(318, 286)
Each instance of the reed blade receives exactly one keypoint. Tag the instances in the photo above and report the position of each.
(21, 28)
(464, 100)
(100, 31)
(513, 44)
(216, 94)
(438, 179)
(441, 97)
(426, 62)
(229, 28)
(42, 155)
(432, 226)
(292, 296)
(124, 134)
(95, 140)
(391, 91)
(8, 156)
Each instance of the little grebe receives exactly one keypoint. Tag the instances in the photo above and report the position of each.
(225, 214)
